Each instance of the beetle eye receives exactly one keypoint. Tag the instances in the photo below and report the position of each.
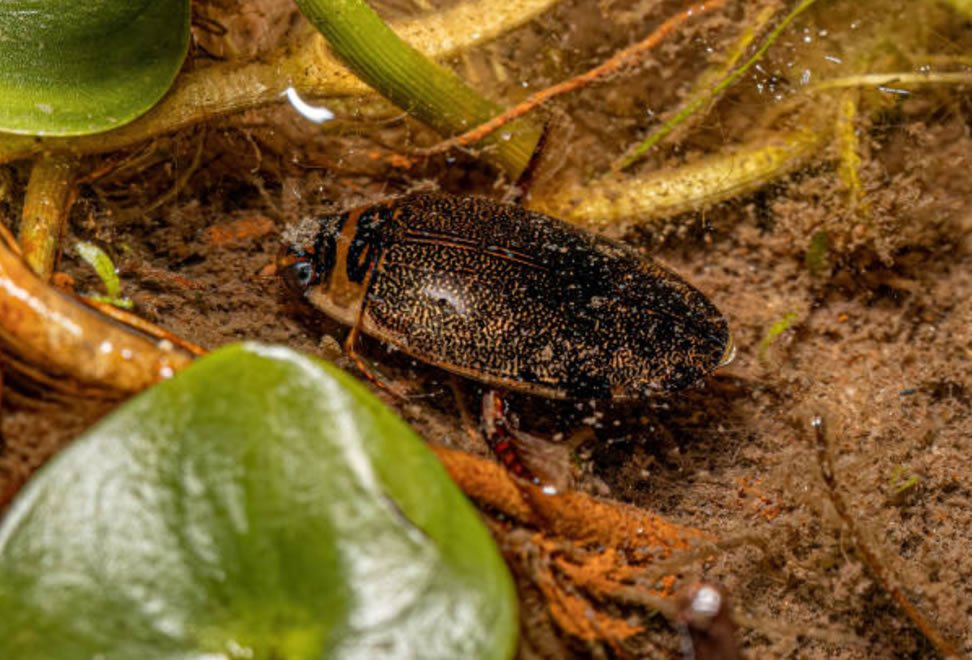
(299, 275)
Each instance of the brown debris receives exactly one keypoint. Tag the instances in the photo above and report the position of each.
(167, 277)
(238, 230)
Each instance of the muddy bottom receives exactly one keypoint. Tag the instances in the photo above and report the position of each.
(888, 365)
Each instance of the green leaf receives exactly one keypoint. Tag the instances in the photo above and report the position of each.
(260, 504)
(72, 68)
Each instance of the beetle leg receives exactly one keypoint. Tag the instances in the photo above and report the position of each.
(499, 435)
(469, 423)
(349, 343)
(527, 456)
(366, 369)
(352, 339)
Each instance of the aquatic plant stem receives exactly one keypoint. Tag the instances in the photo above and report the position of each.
(50, 194)
(848, 146)
(413, 82)
(603, 202)
(888, 82)
(961, 6)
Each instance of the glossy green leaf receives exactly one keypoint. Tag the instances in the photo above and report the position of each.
(260, 504)
(71, 68)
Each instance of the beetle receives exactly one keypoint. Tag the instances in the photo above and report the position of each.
(509, 297)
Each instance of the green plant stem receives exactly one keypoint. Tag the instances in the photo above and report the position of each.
(224, 89)
(46, 206)
(848, 146)
(724, 84)
(413, 82)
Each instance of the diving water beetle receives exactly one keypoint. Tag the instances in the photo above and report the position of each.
(509, 297)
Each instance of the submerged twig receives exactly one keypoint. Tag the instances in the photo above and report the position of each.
(619, 60)
(868, 555)
(50, 193)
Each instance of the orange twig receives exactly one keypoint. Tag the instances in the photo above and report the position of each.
(575, 613)
(571, 515)
(616, 62)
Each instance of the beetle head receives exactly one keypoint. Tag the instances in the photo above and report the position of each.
(310, 251)
(298, 268)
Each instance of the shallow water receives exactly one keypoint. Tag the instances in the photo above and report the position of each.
(881, 332)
